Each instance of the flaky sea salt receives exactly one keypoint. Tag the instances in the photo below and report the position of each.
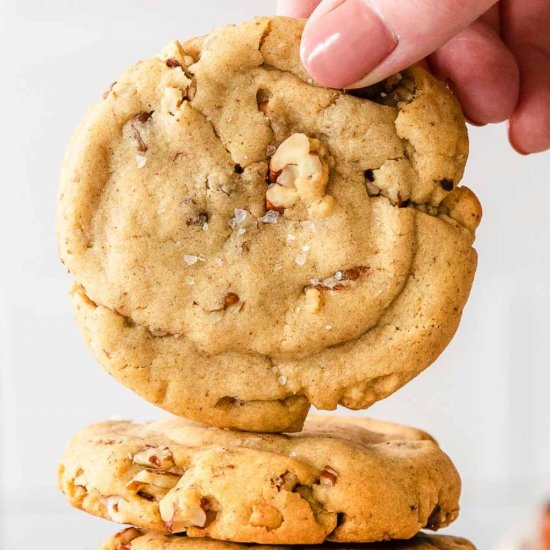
(271, 216)
(328, 327)
(239, 215)
(282, 380)
(192, 260)
(290, 237)
(141, 161)
(338, 276)
(205, 226)
(300, 259)
(241, 231)
(306, 248)
(308, 224)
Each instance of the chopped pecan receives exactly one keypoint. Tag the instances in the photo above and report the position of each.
(328, 476)
(230, 299)
(160, 457)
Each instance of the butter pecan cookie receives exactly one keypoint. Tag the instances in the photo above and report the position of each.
(246, 243)
(344, 480)
(135, 539)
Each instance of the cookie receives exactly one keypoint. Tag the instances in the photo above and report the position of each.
(134, 539)
(246, 243)
(341, 479)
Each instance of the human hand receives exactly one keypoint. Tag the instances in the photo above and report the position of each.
(494, 55)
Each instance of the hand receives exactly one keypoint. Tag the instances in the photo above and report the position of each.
(494, 55)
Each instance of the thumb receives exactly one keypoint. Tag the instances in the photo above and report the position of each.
(352, 43)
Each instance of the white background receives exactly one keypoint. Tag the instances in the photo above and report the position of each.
(486, 399)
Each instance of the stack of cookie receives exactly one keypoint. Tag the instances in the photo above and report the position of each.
(246, 244)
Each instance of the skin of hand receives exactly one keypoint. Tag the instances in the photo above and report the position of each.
(495, 55)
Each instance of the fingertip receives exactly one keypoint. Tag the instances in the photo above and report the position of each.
(530, 123)
(343, 41)
(529, 129)
(515, 146)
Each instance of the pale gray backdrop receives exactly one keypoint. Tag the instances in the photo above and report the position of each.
(486, 399)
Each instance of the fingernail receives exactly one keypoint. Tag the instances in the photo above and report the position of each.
(343, 45)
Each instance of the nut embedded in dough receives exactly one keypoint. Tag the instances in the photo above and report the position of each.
(298, 172)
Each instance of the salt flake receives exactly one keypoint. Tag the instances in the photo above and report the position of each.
(308, 224)
(141, 161)
(192, 260)
(291, 237)
(282, 380)
(239, 216)
(300, 259)
(271, 216)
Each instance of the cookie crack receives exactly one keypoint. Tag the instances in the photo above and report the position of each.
(214, 130)
(263, 38)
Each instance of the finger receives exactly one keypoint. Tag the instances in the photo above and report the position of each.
(360, 42)
(483, 72)
(525, 27)
(296, 8)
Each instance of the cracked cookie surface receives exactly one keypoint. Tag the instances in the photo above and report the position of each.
(341, 479)
(135, 539)
(246, 243)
